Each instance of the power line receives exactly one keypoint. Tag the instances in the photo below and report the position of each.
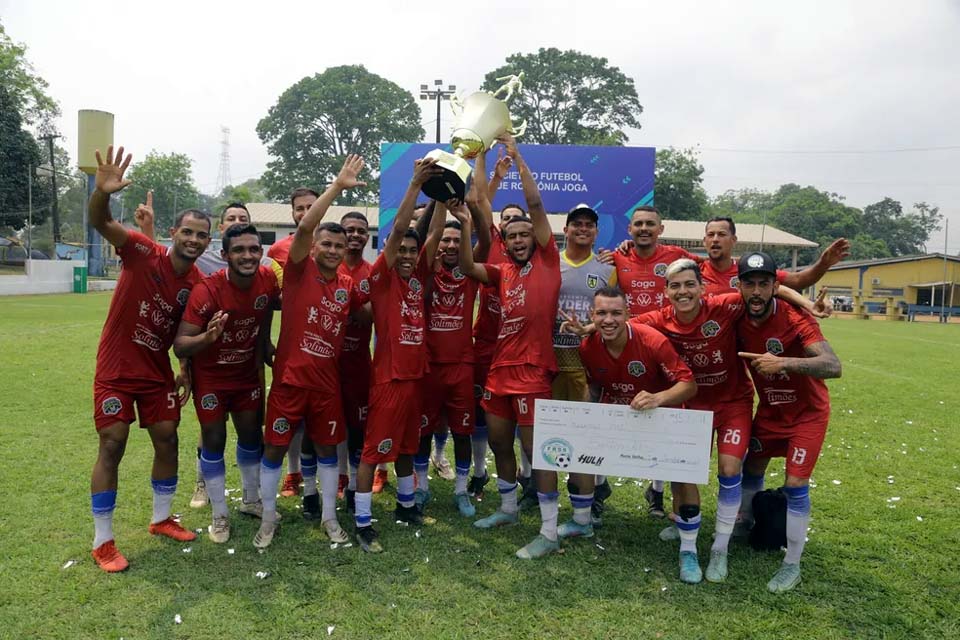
(821, 151)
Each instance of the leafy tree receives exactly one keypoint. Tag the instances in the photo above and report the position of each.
(169, 176)
(248, 191)
(678, 184)
(570, 98)
(902, 233)
(322, 118)
(27, 90)
(19, 155)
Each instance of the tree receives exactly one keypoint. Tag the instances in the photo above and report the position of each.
(902, 233)
(169, 176)
(19, 156)
(322, 118)
(28, 91)
(678, 184)
(248, 191)
(570, 97)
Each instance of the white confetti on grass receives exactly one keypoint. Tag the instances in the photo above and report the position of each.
(330, 629)
(919, 518)
(177, 619)
(68, 564)
(261, 575)
(230, 552)
(187, 549)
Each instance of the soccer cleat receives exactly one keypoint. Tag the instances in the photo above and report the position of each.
(444, 470)
(291, 485)
(350, 496)
(538, 547)
(655, 502)
(268, 528)
(342, 485)
(172, 529)
(476, 485)
(199, 499)
(311, 507)
(421, 497)
(379, 480)
(573, 529)
(334, 531)
(786, 578)
(219, 531)
(669, 534)
(367, 539)
(109, 558)
(410, 515)
(690, 571)
(464, 506)
(252, 509)
(497, 519)
(717, 569)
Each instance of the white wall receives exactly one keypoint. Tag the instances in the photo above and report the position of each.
(44, 276)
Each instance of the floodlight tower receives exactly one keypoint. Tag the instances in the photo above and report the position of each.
(223, 175)
(439, 94)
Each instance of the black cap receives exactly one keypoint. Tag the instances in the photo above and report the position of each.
(756, 262)
(582, 210)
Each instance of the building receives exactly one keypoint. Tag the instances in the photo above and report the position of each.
(905, 287)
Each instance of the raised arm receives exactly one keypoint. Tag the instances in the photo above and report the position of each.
(837, 251)
(144, 218)
(346, 179)
(109, 180)
(423, 170)
(480, 212)
(422, 226)
(821, 362)
(435, 231)
(500, 171)
(469, 268)
(531, 193)
(816, 309)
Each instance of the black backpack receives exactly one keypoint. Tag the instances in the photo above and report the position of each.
(769, 531)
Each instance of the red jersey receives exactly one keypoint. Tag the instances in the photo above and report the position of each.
(280, 250)
(356, 344)
(488, 313)
(529, 296)
(716, 282)
(786, 398)
(648, 363)
(450, 316)
(230, 360)
(400, 352)
(643, 279)
(708, 345)
(143, 317)
(312, 326)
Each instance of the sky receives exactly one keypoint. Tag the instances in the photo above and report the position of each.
(861, 98)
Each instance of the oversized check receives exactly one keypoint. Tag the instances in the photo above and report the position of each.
(615, 440)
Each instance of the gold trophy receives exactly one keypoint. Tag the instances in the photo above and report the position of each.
(480, 119)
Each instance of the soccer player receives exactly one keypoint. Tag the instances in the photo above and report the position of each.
(301, 199)
(790, 359)
(397, 283)
(223, 331)
(523, 363)
(625, 364)
(317, 303)
(133, 364)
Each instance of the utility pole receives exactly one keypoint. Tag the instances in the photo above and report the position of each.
(54, 209)
(439, 94)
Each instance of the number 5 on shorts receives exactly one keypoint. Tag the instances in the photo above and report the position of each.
(172, 400)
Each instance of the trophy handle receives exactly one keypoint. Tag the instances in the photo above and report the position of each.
(456, 105)
(516, 131)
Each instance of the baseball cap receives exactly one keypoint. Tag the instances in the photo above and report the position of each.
(582, 210)
(756, 262)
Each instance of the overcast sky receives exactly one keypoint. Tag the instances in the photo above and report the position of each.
(813, 82)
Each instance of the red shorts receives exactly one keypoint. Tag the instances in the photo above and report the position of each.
(355, 395)
(213, 404)
(394, 421)
(480, 372)
(731, 426)
(321, 413)
(800, 445)
(514, 407)
(110, 405)
(448, 391)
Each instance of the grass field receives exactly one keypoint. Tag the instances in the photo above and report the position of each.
(874, 567)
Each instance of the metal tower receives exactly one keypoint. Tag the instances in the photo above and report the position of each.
(223, 175)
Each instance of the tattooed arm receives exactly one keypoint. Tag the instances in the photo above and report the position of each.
(821, 362)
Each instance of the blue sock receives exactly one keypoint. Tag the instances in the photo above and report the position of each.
(103, 503)
(405, 491)
(688, 528)
(215, 475)
(439, 442)
(362, 514)
(798, 517)
(728, 504)
(163, 491)
(308, 467)
(463, 475)
(421, 465)
(249, 462)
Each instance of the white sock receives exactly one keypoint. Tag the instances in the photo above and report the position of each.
(308, 468)
(293, 453)
(329, 476)
(549, 511)
(657, 485)
(581, 507)
(688, 528)
(405, 490)
(342, 455)
(103, 503)
(463, 474)
(269, 483)
(478, 444)
(798, 518)
(525, 468)
(163, 492)
(354, 464)
(249, 462)
(728, 504)
(508, 495)
(362, 514)
(421, 467)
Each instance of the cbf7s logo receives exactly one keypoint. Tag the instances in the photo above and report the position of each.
(636, 368)
(340, 295)
(111, 406)
(457, 273)
(774, 346)
(260, 302)
(660, 269)
(557, 452)
(364, 286)
(281, 426)
(526, 269)
(209, 402)
(710, 328)
(182, 296)
(415, 285)
(593, 280)
(734, 282)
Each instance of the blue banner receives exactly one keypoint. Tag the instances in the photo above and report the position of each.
(611, 180)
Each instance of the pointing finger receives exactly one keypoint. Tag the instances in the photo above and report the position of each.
(748, 355)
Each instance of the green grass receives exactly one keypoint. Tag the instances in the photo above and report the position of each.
(870, 571)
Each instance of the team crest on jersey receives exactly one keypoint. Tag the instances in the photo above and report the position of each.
(182, 296)
(526, 269)
(423, 421)
(260, 302)
(281, 426)
(364, 286)
(593, 280)
(636, 368)
(660, 269)
(457, 273)
(774, 346)
(734, 282)
(340, 295)
(385, 445)
(111, 406)
(415, 285)
(710, 328)
(209, 402)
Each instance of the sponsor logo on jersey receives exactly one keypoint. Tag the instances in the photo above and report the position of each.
(385, 445)
(182, 296)
(774, 346)
(780, 396)
(260, 302)
(593, 280)
(710, 328)
(660, 269)
(111, 406)
(701, 359)
(636, 368)
(281, 426)
(364, 286)
(209, 402)
(557, 452)
(340, 295)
